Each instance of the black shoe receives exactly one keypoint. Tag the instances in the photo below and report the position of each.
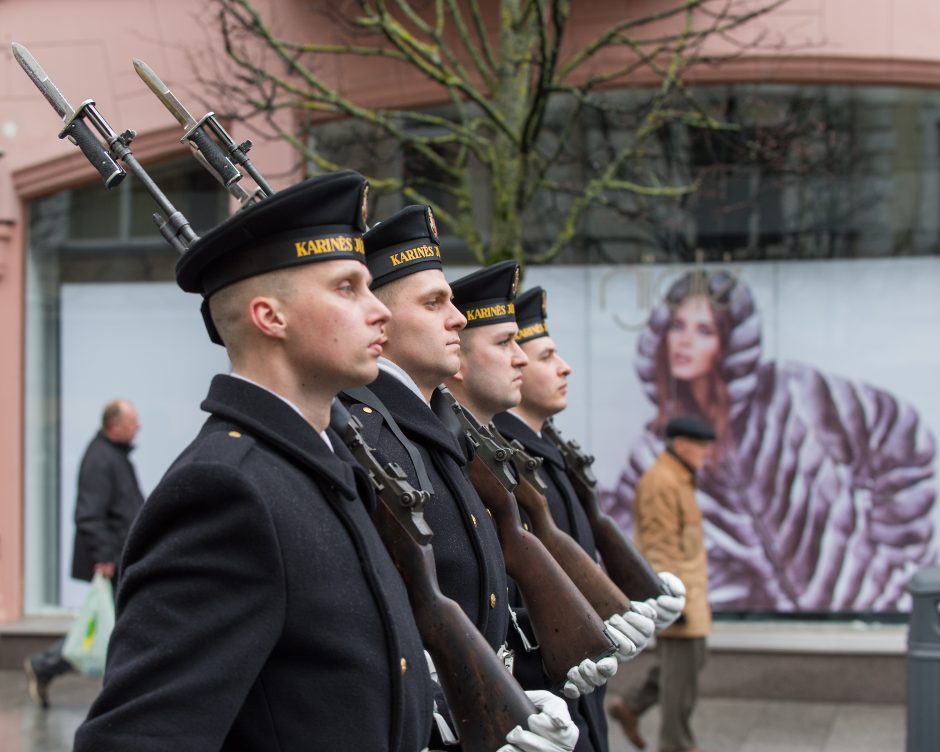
(37, 683)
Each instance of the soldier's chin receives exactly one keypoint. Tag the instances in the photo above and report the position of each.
(365, 375)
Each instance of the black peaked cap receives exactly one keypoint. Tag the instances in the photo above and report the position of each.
(531, 312)
(403, 244)
(690, 427)
(320, 219)
(487, 295)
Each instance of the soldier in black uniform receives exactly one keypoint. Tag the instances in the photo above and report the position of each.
(489, 382)
(259, 609)
(404, 256)
(543, 395)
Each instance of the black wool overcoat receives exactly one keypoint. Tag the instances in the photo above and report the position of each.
(108, 500)
(467, 554)
(258, 608)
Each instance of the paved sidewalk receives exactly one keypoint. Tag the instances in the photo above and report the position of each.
(723, 725)
(733, 725)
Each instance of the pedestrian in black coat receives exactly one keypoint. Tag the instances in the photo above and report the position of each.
(108, 500)
(259, 609)
(109, 495)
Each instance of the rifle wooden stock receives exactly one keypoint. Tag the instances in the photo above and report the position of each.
(485, 701)
(566, 626)
(604, 596)
(624, 563)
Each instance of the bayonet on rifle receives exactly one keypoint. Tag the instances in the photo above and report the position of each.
(173, 226)
(75, 129)
(209, 153)
(206, 150)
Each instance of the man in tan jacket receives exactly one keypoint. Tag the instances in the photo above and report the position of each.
(669, 533)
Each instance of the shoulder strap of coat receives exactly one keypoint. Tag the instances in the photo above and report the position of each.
(367, 397)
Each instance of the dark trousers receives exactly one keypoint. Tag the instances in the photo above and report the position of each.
(50, 663)
(673, 682)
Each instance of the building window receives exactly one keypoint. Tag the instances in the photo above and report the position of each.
(82, 240)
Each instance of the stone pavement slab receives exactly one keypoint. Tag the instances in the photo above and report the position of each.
(723, 725)
(736, 725)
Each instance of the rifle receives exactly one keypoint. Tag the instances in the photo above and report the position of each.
(485, 701)
(173, 226)
(209, 153)
(566, 626)
(587, 575)
(624, 563)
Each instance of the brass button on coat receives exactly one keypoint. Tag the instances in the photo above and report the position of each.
(404, 665)
(492, 600)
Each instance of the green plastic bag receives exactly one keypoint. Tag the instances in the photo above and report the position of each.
(86, 644)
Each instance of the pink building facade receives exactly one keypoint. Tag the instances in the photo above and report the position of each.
(52, 206)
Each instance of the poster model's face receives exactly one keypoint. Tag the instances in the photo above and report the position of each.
(692, 342)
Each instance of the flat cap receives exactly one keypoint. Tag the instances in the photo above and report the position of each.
(531, 312)
(320, 219)
(403, 244)
(487, 295)
(690, 427)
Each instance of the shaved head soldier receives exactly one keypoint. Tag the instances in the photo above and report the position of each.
(259, 608)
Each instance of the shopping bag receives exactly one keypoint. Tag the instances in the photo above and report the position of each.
(86, 644)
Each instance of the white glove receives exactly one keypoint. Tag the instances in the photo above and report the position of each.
(633, 629)
(669, 606)
(550, 730)
(588, 676)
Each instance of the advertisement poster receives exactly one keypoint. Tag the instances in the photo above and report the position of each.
(820, 379)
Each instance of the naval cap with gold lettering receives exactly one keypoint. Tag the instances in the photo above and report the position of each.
(403, 244)
(531, 312)
(320, 219)
(487, 295)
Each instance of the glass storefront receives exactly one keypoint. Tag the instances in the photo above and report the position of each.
(794, 172)
(81, 241)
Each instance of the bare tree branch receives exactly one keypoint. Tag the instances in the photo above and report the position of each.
(511, 138)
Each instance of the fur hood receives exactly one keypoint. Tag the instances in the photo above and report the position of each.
(823, 499)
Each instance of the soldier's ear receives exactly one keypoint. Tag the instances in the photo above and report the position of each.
(267, 316)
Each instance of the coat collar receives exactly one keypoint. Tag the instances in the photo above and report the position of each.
(679, 465)
(513, 427)
(414, 416)
(270, 419)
